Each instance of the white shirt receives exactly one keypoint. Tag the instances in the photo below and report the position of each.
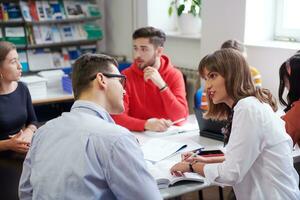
(258, 161)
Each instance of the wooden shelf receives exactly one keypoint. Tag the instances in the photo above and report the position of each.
(63, 44)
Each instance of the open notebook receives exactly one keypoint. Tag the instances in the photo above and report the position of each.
(174, 130)
(158, 149)
(161, 173)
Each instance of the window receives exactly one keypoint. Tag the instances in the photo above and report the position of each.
(287, 20)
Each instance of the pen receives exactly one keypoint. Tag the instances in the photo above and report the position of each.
(195, 153)
(177, 121)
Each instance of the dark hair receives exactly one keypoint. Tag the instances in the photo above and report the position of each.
(294, 80)
(233, 44)
(87, 66)
(156, 36)
(232, 66)
(5, 48)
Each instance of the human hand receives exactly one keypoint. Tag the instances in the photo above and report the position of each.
(192, 157)
(26, 135)
(179, 168)
(15, 143)
(157, 125)
(153, 74)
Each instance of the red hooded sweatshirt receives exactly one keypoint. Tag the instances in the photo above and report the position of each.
(143, 100)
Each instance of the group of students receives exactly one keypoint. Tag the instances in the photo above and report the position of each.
(83, 154)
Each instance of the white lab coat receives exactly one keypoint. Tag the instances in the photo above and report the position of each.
(258, 161)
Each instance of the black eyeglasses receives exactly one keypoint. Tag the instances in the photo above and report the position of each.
(121, 77)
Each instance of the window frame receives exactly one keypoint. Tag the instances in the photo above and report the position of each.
(280, 32)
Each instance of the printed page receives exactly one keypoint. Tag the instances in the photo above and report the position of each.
(174, 130)
(160, 178)
(188, 176)
(156, 149)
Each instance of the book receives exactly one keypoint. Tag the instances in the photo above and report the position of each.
(1, 35)
(74, 9)
(23, 60)
(32, 10)
(47, 10)
(13, 11)
(66, 32)
(92, 10)
(157, 149)
(40, 59)
(161, 173)
(25, 11)
(15, 35)
(57, 9)
(172, 130)
(40, 10)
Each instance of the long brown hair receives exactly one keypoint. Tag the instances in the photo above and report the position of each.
(293, 77)
(232, 66)
(5, 48)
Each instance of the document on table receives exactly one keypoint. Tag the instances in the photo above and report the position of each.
(172, 130)
(157, 149)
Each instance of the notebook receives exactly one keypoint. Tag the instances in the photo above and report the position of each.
(209, 128)
(161, 173)
(157, 149)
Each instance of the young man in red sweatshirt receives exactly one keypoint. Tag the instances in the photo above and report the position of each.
(155, 92)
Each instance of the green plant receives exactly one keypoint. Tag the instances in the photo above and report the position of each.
(180, 5)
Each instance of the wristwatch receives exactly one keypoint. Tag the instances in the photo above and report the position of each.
(191, 167)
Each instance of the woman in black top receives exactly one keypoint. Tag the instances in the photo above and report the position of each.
(17, 120)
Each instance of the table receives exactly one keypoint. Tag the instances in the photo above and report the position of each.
(192, 138)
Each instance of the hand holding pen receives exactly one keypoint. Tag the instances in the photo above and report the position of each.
(193, 156)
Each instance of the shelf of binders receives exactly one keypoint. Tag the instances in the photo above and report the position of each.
(46, 22)
(63, 44)
(64, 21)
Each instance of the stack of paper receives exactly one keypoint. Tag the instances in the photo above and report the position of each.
(36, 85)
(53, 78)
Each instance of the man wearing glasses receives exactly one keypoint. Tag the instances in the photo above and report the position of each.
(83, 154)
(155, 92)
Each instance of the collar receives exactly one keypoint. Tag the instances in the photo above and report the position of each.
(93, 109)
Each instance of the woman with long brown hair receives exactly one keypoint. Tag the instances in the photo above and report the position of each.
(17, 120)
(289, 75)
(258, 161)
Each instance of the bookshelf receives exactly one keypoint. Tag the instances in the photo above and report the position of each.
(41, 29)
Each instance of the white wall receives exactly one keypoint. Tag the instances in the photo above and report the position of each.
(119, 27)
(221, 20)
(268, 60)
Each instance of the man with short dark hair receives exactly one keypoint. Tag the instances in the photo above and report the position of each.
(83, 154)
(155, 90)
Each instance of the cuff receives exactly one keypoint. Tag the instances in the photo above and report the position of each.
(211, 172)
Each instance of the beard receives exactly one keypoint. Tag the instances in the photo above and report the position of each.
(150, 63)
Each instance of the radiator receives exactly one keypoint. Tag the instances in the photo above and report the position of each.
(192, 83)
